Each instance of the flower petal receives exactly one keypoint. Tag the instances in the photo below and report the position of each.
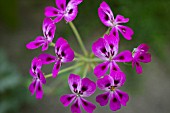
(41, 76)
(123, 97)
(100, 49)
(113, 43)
(56, 68)
(121, 19)
(126, 31)
(114, 102)
(47, 58)
(36, 43)
(145, 57)
(115, 33)
(39, 90)
(105, 82)
(74, 82)
(58, 18)
(52, 12)
(103, 99)
(143, 48)
(88, 87)
(67, 53)
(105, 14)
(75, 2)
(35, 65)
(45, 46)
(119, 78)
(75, 107)
(32, 87)
(71, 14)
(67, 99)
(114, 68)
(46, 23)
(61, 4)
(124, 56)
(138, 68)
(88, 106)
(101, 69)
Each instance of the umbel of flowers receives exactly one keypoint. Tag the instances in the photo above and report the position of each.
(109, 75)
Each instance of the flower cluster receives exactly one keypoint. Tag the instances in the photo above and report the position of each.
(109, 75)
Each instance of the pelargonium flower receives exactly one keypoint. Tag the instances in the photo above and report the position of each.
(106, 49)
(63, 54)
(140, 55)
(68, 12)
(38, 78)
(80, 88)
(110, 84)
(107, 18)
(48, 31)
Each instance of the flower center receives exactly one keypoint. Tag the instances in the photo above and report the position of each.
(112, 88)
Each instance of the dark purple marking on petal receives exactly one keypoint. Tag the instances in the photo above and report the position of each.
(107, 85)
(84, 88)
(115, 99)
(121, 57)
(103, 50)
(62, 6)
(39, 88)
(49, 59)
(123, 29)
(141, 57)
(114, 33)
(58, 66)
(137, 63)
(106, 17)
(120, 95)
(76, 105)
(37, 44)
(114, 68)
(69, 98)
(55, 12)
(74, 85)
(111, 46)
(70, 11)
(116, 82)
(85, 103)
(63, 54)
(103, 67)
(50, 34)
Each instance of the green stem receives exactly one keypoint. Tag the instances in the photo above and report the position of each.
(52, 44)
(107, 32)
(85, 71)
(90, 60)
(78, 38)
(66, 69)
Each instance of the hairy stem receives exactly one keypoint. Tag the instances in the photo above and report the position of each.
(78, 38)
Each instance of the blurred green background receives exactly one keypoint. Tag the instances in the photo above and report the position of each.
(21, 22)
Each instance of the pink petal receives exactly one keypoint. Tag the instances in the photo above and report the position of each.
(101, 69)
(58, 18)
(138, 68)
(126, 31)
(47, 58)
(145, 57)
(124, 56)
(41, 76)
(75, 2)
(71, 13)
(45, 46)
(105, 14)
(52, 12)
(114, 68)
(75, 107)
(88, 106)
(35, 44)
(56, 68)
(32, 87)
(105, 82)
(121, 19)
(103, 99)
(100, 49)
(113, 43)
(88, 87)
(115, 33)
(114, 102)
(46, 23)
(123, 97)
(67, 99)
(39, 90)
(143, 48)
(119, 78)
(74, 82)
(61, 4)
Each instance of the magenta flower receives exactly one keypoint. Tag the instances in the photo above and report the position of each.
(63, 54)
(38, 78)
(110, 84)
(80, 88)
(68, 12)
(141, 55)
(106, 49)
(107, 18)
(48, 31)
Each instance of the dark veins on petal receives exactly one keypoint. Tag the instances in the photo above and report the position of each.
(141, 57)
(106, 17)
(55, 12)
(114, 99)
(120, 95)
(103, 50)
(39, 88)
(104, 97)
(49, 59)
(107, 85)
(103, 67)
(84, 88)
(116, 81)
(85, 103)
(69, 98)
(71, 11)
(121, 57)
(37, 44)
(74, 85)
